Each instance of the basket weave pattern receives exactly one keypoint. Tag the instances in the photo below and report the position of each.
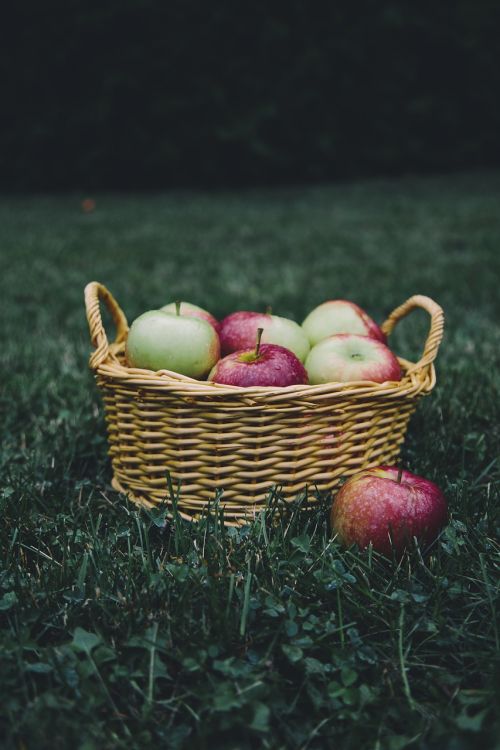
(246, 440)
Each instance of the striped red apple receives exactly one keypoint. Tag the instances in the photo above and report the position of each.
(388, 507)
(263, 365)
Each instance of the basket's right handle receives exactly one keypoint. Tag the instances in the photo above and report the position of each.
(94, 293)
(435, 331)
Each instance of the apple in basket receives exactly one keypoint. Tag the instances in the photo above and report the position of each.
(160, 340)
(263, 365)
(191, 311)
(347, 357)
(388, 506)
(238, 331)
(339, 316)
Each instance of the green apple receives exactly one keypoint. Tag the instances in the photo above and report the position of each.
(160, 340)
(191, 311)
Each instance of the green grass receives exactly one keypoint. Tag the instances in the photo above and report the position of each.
(121, 629)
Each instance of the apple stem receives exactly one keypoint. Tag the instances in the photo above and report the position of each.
(400, 474)
(177, 307)
(260, 331)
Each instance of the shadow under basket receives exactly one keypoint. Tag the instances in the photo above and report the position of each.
(245, 441)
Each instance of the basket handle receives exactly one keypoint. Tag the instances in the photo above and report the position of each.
(435, 331)
(94, 294)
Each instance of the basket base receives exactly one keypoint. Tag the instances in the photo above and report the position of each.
(143, 502)
(237, 513)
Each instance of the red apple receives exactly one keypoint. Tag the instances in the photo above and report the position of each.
(387, 503)
(347, 357)
(191, 311)
(340, 316)
(238, 331)
(265, 364)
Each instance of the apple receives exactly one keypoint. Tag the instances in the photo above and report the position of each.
(160, 340)
(340, 316)
(238, 331)
(191, 311)
(266, 364)
(347, 357)
(388, 506)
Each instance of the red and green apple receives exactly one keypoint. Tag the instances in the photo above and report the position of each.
(339, 316)
(348, 357)
(238, 331)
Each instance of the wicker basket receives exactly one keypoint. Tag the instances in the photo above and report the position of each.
(246, 440)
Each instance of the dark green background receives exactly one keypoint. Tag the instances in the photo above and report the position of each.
(150, 93)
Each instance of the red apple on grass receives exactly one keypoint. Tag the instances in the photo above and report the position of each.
(388, 506)
(191, 311)
(347, 357)
(265, 364)
(340, 316)
(238, 331)
(160, 340)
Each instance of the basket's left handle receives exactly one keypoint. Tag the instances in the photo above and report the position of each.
(94, 294)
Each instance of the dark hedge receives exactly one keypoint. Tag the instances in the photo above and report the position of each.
(145, 93)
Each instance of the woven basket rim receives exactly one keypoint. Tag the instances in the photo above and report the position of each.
(144, 379)
(106, 361)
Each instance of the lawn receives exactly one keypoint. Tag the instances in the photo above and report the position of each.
(120, 629)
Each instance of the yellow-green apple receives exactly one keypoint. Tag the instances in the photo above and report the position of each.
(347, 357)
(265, 364)
(339, 316)
(388, 506)
(191, 311)
(238, 331)
(160, 340)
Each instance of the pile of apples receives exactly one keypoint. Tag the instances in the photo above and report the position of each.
(337, 342)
